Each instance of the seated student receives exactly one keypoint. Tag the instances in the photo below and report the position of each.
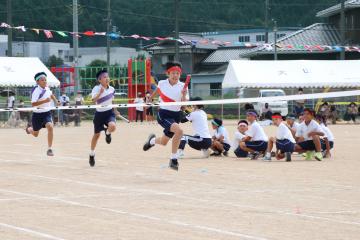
(308, 136)
(202, 139)
(240, 134)
(256, 140)
(284, 140)
(71, 115)
(292, 124)
(327, 142)
(220, 143)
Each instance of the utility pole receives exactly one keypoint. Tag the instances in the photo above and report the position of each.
(275, 40)
(177, 30)
(108, 40)
(342, 30)
(267, 21)
(9, 30)
(76, 45)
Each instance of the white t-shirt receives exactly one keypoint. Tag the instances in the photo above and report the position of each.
(64, 99)
(11, 101)
(139, 100)
(256, 132)
(174, 92)
(199, 122)
(295, 126)
(40, 94)
(221, 131)
(238, 137)
(105, 98)
(328, 134)
(283, 132)
(304, 129)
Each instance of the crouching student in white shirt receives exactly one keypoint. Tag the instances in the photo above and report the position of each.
(240, 134)
(201, 140)
(308, 136)
(327, 142)
(220, 139)
(284, 140)
(256, 140)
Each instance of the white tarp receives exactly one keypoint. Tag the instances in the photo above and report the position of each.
(292, 74)
(20, 72)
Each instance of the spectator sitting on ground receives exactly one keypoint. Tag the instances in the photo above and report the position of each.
(266, 112)
(71, 115)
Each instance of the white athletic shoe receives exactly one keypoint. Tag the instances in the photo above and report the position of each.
(206, 153)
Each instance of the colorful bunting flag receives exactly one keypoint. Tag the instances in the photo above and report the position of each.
(36, 30)
(48, 34)
(61, 33)
(89, 33)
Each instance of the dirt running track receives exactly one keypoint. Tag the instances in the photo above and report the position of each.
(133, 195)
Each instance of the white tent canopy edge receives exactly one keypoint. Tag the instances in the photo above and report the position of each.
(292, 74)
(20, 72)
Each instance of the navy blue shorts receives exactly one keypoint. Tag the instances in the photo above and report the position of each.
(166, 118)
(307, 145)
(102, 119)
(240, 153)
(226, 146)
(323, 144)
(259, 146)
(285, 146)
(195, 142)
(39, 120)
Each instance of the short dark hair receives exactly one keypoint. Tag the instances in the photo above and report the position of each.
(173, 64)
(100, 72)
(300, 89)
(39, 74)
(243, 121)
(310, 110)
(218, 122)
(197, 99)
(277, 114)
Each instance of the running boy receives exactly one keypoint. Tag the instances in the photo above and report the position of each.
(284, 140)
(170, 90)
(240, 135)
(104, 119)
(256, 140)
(220, 143)
(308, 136)
(202, 139)
(41, 97)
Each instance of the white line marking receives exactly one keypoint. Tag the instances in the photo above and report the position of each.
(177, 195)
(32, 232)
(205, 228)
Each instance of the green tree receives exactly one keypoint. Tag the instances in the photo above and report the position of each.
(54, 61)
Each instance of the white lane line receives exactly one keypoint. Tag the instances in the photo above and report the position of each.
(178, 195)
(136, 215)
(30, 231)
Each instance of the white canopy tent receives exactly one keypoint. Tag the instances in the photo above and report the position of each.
(292, 74)
(20, 72)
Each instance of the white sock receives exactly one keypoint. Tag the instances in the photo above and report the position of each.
(268, 154)
(179, 152)
(107, 132)
(92, 153)
(152, 141)
(174, 156)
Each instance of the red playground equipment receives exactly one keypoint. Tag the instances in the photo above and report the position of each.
(139, 81)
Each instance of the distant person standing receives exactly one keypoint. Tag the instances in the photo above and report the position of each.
(352, 112)
(139, 109)
(149, 109)
(11, 101)
(299, 107)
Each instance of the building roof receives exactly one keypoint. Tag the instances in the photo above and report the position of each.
(349, 4)
(224, 55)
(318, 34)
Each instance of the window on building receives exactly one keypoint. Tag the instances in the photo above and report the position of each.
(244, 38)
(171, 58)
(215, 89)
(280, 35)
(260, 38)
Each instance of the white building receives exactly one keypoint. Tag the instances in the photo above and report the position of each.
(253, 36)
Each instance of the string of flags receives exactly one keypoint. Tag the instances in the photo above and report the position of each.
(114, 36)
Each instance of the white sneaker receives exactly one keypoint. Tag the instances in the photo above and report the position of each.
(206, 153)
(180, 153)
(266, 159)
